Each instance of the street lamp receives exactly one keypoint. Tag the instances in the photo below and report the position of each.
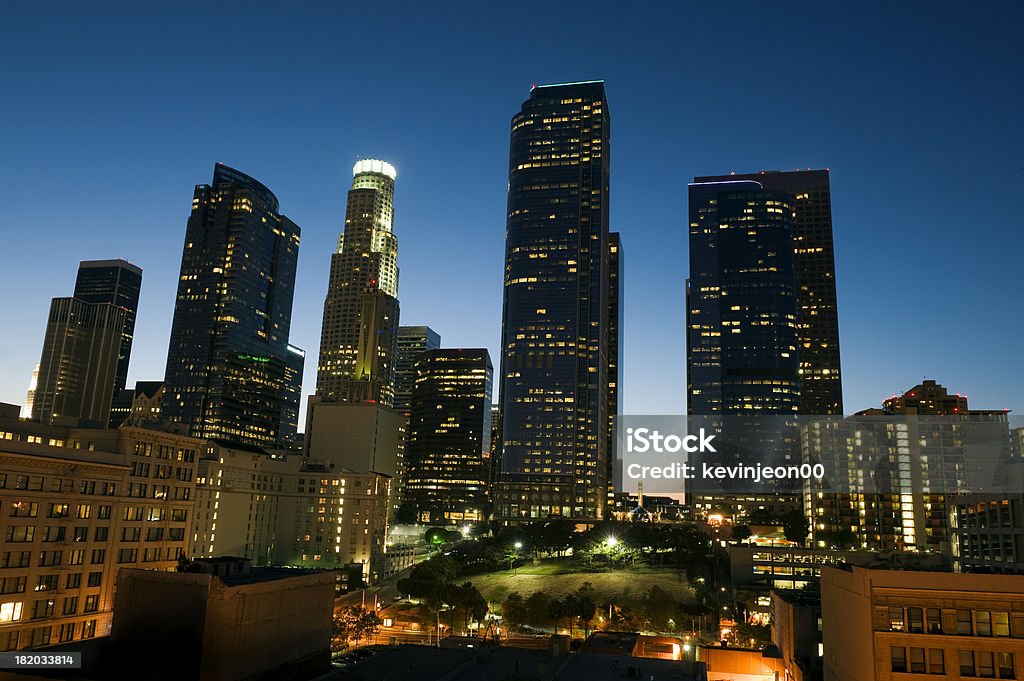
(611, 542)
(518, 545)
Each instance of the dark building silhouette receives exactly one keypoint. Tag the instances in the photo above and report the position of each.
(137, 406)
(448, 452)
(227, 371)
(358, 341)
(117, 282)
(821, 390)
(555, 324)
(413, 341)
(78, 365)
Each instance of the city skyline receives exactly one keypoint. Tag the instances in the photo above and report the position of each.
(953, 331)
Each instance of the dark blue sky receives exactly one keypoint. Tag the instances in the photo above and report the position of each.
(110, 115)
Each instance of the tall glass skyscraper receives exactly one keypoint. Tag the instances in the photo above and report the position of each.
(555, 325)
(78, 365)
(413, 341)
(742, 335)
(117, 282)
(815, 272)
(447, 458)
(228, 361)
(743, 361)
(360, 326)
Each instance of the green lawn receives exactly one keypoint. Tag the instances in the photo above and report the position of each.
(558, 579)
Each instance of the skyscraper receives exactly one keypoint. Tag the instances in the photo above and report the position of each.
(448, 453)
(742, 333)
(555, 325)
(117, 282)
(360, 325)
(78, 365)
(227, 361)
(615, 329)
(413, 341)
(815, 275)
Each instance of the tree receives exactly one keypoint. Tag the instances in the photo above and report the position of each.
(353, 624)
(538, 606)
(513, 610)
(795, 526)
(741, 532)
(762, 516)
(582, 604)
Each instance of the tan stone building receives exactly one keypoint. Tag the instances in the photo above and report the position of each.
(881, 624)
(289, 510)
(76, 506)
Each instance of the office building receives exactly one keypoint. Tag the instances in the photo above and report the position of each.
(229, 621)
(137, 406)
(228, 358)
(615, 355)
(555, 320)
(117, 282)
(447, 457)
(413, 341)
(987, 532)
(742, 335)
(358, 436)
(817, 320)
(743, 366)
(276, 509)
(80, 504)
(30, 396)
(358, 341)
(888, 624)
(78, 365)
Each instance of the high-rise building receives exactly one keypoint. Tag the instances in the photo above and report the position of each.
(295, 362)
(743, 370)
(892, 472)
(555, 323)
(360, 325)
(362, 437)
(137, 406)
(295, 511)
(227, 361)
(615, 330)
(79, 362)
(117, 282)
(448, 452)
(413, 341)
(742, 335)
(817, 319)
(30, 396)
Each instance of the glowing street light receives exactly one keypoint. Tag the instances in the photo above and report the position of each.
(611, 542)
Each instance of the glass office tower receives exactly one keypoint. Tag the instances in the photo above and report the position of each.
(555, 324)
(117, 282)
(447, 458)
(228, 361)
(413, 341)
(815, 271)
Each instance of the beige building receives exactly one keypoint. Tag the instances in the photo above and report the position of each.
(77, 506)
(226, 620)
(288, 510)
(359, 436)
(880, 624)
